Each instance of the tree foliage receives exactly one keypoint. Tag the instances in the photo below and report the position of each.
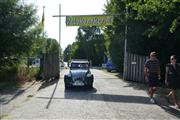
(67, 53)
(16, 21)
(52, 46)
(21, 37)
(89, 45)
(37, 42)
(153, 25)
(114, 35)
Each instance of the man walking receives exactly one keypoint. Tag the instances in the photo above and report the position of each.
(152, 74)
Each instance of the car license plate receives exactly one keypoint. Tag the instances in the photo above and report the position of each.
(77, 83)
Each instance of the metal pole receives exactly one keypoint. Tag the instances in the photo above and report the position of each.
(43, 21)
(59, 37)
(44, 51)
(125, 48)
(43, 34)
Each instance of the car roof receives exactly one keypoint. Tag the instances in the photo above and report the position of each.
(79, 61)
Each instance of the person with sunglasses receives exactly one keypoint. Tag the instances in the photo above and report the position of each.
(172, 77)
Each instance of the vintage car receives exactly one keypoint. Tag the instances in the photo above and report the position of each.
(79, 74)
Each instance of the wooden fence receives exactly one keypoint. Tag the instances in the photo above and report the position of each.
(134, 68)
(50, 65)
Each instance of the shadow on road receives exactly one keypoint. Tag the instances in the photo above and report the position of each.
(168, 109)
(162, 91)
(106, 97)
(47, 83)
(86, 94)
(80, 90)
(50, 100)
(17, 93)
(135, 85)
(80, 95)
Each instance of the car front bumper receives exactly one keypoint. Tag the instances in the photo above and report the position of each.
(70, 82)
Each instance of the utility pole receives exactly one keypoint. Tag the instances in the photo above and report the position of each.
(43, 21)
(45, 49)
(59, 37)
(125, 46)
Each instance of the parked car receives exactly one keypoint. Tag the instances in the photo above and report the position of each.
(79, 74)
(110, 67)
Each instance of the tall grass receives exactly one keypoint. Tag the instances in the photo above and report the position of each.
(16, 75)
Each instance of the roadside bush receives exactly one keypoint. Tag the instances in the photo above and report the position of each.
(8, 73)
(11, 77)
(25, 74)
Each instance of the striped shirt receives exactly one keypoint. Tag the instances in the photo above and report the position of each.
(153, 66)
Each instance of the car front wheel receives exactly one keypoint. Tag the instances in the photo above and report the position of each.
(66, 86)
(90, 86)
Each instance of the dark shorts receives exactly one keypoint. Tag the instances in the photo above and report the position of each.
(153, 80)
(173, 84)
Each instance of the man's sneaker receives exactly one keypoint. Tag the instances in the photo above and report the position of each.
(152, 101)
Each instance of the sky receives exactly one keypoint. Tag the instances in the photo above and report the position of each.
(68, 7)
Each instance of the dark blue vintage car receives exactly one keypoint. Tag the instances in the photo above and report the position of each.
(79, 74)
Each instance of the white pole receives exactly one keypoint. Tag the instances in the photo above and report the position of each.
(125, 49)
(43, 21)
(59, 36)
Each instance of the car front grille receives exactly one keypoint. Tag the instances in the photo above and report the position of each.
(78, 79)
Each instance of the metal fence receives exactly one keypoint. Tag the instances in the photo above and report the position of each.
(50, 65)
(135, 68)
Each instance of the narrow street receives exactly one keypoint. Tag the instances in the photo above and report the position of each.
(111, 98)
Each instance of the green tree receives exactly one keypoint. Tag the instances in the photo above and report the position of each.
(114, 34)
(163, 31)
(67, 53)
(153, 25)
(16, 21)
(89, 45)
(37, 42)
(52, 46)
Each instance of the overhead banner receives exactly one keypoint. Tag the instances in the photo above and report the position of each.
(93, 20)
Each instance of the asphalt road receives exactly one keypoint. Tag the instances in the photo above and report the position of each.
(111, 98)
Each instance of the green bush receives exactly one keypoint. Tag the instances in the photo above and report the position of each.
(8, 73)
(27, 74)
(18, 73)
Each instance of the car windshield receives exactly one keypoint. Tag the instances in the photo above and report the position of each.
(79, 65)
